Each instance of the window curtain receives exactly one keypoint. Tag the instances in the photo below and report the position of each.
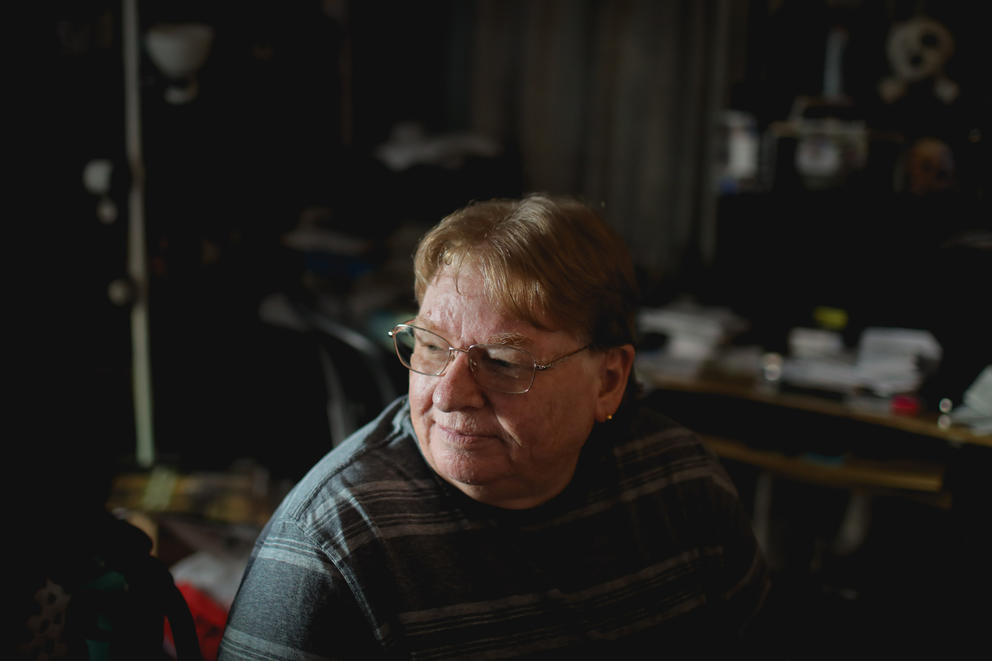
(613, 100)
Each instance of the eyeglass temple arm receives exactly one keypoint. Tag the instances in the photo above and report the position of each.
(540, 368)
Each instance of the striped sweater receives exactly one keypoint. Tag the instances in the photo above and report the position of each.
(373, 556)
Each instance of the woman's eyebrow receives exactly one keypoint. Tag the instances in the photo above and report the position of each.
(427, 326)
(422, 323)
(511, 339)
(508, 339)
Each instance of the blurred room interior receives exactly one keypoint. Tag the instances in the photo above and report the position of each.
(236, 189)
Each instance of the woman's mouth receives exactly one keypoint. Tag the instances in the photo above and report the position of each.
(464, 435)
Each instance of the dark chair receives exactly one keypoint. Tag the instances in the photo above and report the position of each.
(358, 375)
(101, 595)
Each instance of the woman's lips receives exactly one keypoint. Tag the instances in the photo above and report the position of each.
(463, 436)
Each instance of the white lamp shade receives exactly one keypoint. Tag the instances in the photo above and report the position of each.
(179, 49)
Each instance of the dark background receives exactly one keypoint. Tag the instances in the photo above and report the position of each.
(294, 100)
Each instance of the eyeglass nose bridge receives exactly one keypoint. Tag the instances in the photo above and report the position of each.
(473, 364)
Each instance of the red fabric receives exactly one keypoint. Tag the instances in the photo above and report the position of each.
(905, 405)
(209, 617)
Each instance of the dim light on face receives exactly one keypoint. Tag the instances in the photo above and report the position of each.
(509, 450)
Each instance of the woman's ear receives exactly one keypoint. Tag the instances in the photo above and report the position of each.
(614, 374)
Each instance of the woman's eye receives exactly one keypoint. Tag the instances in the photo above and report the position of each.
(504, 359)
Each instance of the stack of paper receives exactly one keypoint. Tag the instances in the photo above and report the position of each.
(834, 373)
(887, 361)
(896, 360)
(693, 333)
(976, 412)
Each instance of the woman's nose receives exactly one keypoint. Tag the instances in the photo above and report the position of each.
(457, 388)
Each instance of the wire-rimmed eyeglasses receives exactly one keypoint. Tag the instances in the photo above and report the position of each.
(498, 367)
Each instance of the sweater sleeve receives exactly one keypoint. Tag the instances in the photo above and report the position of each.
(294, 603)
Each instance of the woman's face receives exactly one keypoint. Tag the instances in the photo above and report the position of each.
(512, 451)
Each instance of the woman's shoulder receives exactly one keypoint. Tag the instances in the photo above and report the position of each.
(645, 426)
(652, 443)
(378, 468)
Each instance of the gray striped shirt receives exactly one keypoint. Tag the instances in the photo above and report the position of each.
(373, 556)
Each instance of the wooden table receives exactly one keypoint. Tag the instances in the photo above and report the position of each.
(818, 439)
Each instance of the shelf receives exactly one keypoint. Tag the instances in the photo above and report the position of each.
(925, 424)
(849, 472)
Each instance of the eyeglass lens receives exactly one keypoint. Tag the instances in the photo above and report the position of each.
(498, 367)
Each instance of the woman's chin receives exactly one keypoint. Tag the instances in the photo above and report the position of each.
(469, 468)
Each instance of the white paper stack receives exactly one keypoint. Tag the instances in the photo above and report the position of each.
(694, 334)
(976, 412)
(894, 360)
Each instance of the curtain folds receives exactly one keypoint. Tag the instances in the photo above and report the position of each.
(613, 100)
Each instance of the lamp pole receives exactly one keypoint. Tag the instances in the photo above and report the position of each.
(137, 266)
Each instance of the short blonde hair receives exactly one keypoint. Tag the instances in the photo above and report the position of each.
(550, 261)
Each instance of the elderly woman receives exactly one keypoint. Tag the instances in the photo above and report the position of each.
(517, 502)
